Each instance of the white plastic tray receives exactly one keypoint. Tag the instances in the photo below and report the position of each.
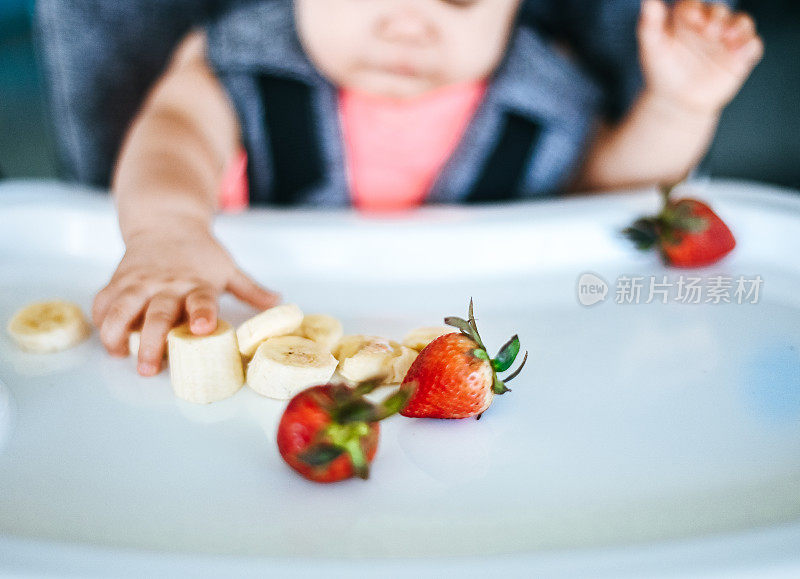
(641, 439)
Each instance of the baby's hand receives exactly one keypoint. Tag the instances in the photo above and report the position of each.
(161, 278)
(696, 55)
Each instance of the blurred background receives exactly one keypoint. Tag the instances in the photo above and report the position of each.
(758, 137)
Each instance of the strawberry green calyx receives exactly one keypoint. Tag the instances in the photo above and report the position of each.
(505, 356)
(677, 218)
(337, 439)
(516, 372)
(674, 219)
(353, 407)
(347, 438)
(643, 232)
(321, 454)
(352, 417)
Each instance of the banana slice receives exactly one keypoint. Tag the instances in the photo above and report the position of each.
(204, 369)
(134, 341)
(325, 330)
(283, 366)
(49, 326)
(349, 345)
(400, 364)
(277, 321)
(418, 338)
(366, 357)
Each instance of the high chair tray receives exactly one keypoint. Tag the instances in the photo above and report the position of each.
(641, 438)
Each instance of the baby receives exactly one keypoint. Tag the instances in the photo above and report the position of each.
(386, 104)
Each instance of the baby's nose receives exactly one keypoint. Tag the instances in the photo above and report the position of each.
(406, 25)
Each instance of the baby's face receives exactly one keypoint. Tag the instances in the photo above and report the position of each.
(404, 48)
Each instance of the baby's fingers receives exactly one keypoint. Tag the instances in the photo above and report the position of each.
(741, 30)
(117, 319)
(751, 52)
(201, 308)
(718, 15)
(652, 23)
(161, 315)
(102, 301)
(250, 292)
(691, 13)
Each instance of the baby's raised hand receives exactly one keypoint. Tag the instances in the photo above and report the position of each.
(696, 55)
(166, 276)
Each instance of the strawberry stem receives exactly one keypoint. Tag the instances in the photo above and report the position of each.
(367, 386)
(505, 356)
(395, 402)
(665, 189)
(357, 458)
(498, 387)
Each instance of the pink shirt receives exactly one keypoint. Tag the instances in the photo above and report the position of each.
(394, 148)
(234, 191)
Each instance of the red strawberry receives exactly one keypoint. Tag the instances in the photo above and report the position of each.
(454, 377)
(330, 432)
(687, 231)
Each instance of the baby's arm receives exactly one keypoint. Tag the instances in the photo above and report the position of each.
(165, 186)
(695, 57)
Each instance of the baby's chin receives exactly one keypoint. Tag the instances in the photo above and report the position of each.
(391, 85)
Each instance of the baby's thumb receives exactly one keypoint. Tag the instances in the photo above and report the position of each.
(652, 23)
(247, 290)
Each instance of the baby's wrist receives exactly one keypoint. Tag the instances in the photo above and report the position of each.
(672, 108)
(166, 229)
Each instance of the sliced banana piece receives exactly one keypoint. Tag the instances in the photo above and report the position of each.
(277, 321)
(204, 369)
(48, 326)
(350, 344)
(283, 366)
(400, 364)
(418, 338)
(366, 357)
(134, 341)
(325, 330)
